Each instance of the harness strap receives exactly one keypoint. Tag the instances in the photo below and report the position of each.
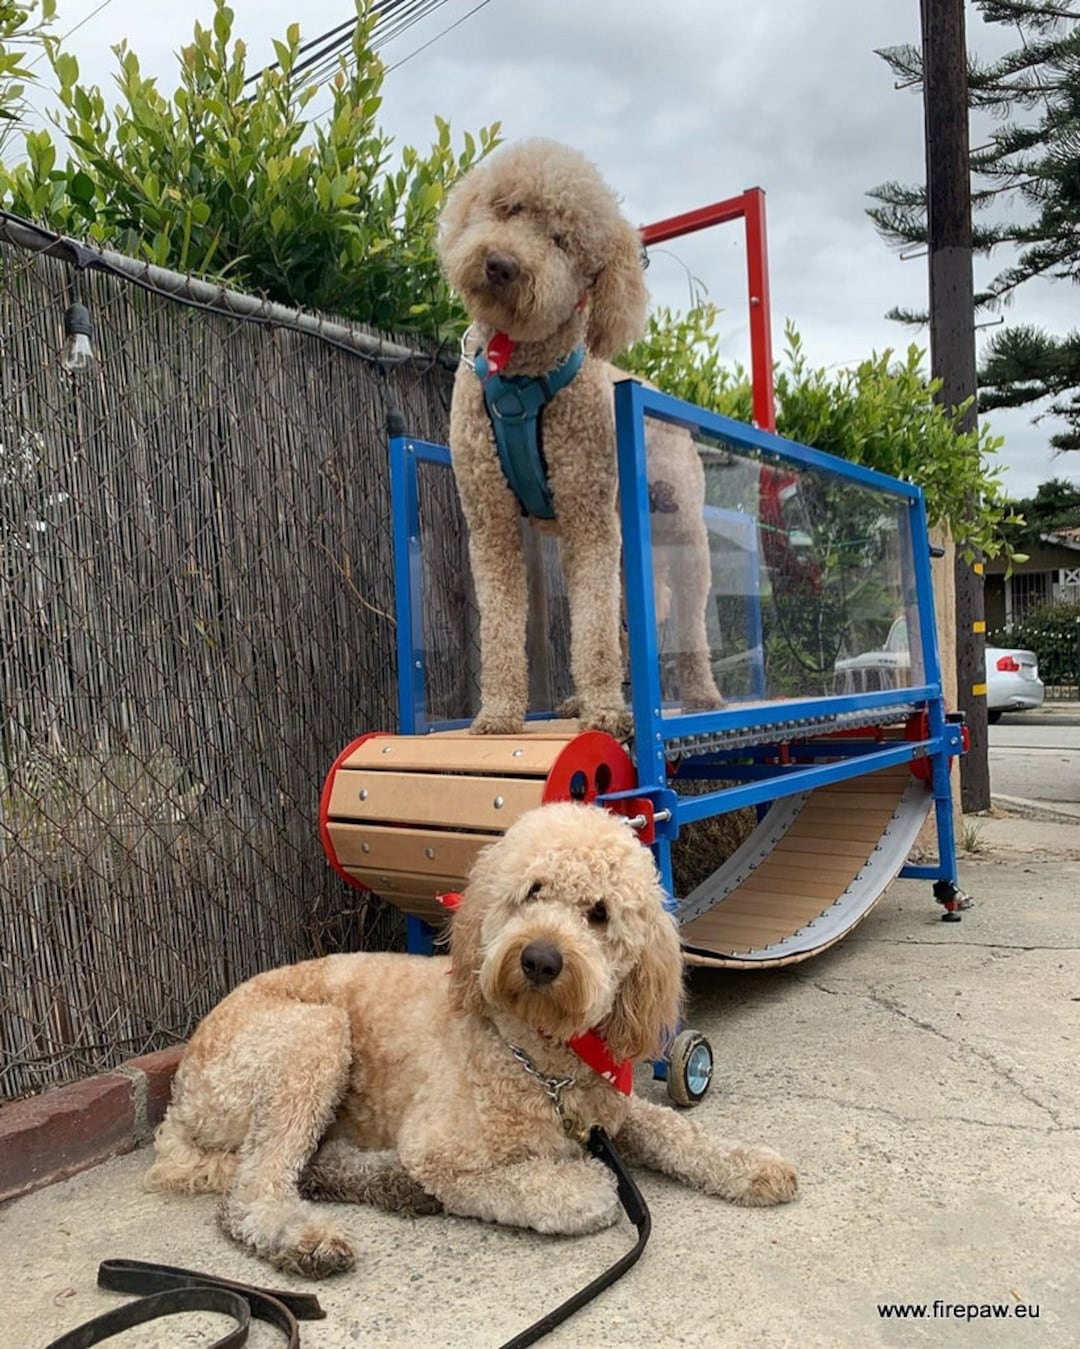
(515, 404)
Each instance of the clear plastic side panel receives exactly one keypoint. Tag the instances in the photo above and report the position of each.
(773, 582)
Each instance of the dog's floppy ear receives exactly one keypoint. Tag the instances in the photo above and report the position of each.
(647, 1004)
(457, 208)
(466, 941)
(619, 297)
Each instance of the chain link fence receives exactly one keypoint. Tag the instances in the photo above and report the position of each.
(196, 616)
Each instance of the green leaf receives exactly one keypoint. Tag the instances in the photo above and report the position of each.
(82, 188)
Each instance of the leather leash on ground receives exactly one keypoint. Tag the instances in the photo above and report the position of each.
(600, 1146)
(166, 1290)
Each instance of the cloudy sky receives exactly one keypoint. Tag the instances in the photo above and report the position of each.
(679, 105)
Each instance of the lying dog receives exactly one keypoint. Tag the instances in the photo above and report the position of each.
(550, 272)
(417, 1084)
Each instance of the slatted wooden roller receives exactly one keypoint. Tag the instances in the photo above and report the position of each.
(404, 816)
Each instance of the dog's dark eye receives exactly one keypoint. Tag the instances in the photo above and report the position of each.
(515, 208)
(598, 913)
(560, 241)
(534, 889)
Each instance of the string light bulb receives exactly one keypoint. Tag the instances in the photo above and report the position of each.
(78, 354)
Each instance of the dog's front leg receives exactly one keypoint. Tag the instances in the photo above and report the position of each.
(498, 567)
(591, 565)
(657, 1137)
(564, 1197)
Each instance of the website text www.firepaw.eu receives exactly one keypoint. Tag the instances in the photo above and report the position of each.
(940, 1310)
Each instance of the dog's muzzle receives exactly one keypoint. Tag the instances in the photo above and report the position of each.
(541, 963)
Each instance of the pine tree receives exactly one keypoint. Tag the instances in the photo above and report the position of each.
(1032, 164)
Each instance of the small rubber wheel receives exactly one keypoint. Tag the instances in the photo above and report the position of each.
(690, 1068)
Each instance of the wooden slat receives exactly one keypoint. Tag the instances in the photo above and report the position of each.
(788, 906)
(429, 799)
(390, 849)
(737, 932)
(779, 871)
(523, 756)
(817, 889)
(804, 847)
(854, 833)
(421, 906)
(388, 884)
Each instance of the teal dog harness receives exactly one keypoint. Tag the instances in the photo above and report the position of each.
(515, 404)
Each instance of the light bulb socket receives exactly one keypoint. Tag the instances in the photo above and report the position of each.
(77, 321)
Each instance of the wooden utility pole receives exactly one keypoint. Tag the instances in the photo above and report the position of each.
(952, 335)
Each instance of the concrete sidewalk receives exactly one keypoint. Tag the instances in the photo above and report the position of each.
(923, 1076)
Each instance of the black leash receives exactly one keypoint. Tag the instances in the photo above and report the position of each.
(636, 1209)
(166, 1290)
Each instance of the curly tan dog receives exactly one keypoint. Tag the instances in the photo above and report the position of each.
(534, 243)
(392, 1080)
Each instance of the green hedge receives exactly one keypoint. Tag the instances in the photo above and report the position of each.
(1052, 631)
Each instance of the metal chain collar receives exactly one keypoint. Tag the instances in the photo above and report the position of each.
(554, 1087)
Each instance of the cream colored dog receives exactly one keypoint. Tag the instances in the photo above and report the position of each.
(534, 243)
(393, 1080)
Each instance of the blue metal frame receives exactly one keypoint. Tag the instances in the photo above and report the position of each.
(759, 781)
(653, 731)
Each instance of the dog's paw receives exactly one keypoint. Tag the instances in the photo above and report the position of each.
(614, 720)
(496, 723)
(590, 1208)
(570, 708)
(316, 1252)
(703, 702)
(761, 1178)
(285, 1232)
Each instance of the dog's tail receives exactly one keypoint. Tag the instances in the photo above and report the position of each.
(180, 1165)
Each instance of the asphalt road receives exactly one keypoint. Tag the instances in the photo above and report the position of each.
(1036, 759)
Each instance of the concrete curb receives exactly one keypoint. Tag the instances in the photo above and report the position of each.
(1061, 813)
(70, 1129)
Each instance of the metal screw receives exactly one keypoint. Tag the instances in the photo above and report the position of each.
(365, 847)
(363, 793)
(429, 853)
(418, 664)
(498, 803)
(388, 749)
(517, 753)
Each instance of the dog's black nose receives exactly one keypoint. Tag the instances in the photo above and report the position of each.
(500, 269)
(541, 962)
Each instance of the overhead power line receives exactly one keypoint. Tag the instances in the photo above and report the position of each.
(323, 54)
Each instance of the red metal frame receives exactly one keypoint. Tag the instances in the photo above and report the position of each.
(749, 207)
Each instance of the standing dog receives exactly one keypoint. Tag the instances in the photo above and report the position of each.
(402, 1081)
(550, 272)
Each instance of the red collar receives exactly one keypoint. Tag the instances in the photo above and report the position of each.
(592, 1049)
(501, 347)
(499, 351)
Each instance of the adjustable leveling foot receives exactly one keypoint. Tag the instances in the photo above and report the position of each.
(952, 899)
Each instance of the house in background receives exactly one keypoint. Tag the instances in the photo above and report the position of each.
(1050, 575)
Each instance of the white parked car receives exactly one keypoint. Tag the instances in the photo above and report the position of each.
(1012, 681)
